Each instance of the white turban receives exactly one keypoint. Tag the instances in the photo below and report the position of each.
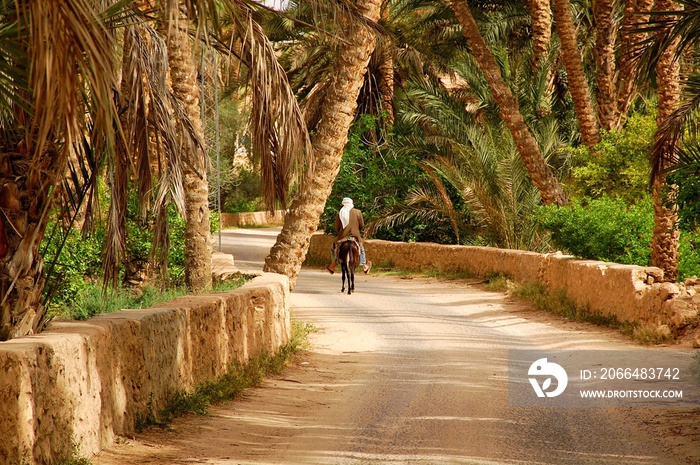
(345, 211)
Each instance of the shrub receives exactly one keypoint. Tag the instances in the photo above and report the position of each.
(619, 167)
(605, 229)
(243, 194)
(689, 262)
(74, 261)
(71, 259)
(686, 179)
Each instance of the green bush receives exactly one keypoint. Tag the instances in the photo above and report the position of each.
(617, 225)
(689, 262)
(620, 165)
(139, 242)
(243, 194)
(377, 182)
(73, 262)
(70, 260)
(686, 179)
(605, 229)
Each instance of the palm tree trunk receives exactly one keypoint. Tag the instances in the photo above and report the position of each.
(386, 72)
(627, 84)
(540, 173)
(25, 196)
(386, 82)
(573, 63)
(606, 73)
(183, 75)
(541, 17)
(328, 142)
(664, 244)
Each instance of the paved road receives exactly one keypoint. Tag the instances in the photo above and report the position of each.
(404, 371)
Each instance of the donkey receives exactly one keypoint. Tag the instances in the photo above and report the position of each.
(349, 257)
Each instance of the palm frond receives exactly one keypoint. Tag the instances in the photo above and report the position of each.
(70, 83)
(679, 28)
(14, 74)
(421, 204)
(480, 165)
(60, 33)
(671, 133)
(279, 132)
(149, 111)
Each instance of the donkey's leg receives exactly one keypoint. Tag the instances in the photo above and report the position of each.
(342, 289)
(355, 258)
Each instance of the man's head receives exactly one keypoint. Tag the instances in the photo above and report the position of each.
(347, 202)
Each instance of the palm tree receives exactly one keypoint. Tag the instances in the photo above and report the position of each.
(606, 72)
(527, 146)
(576, 78)
(279, 135)
(151, 146)
(633, 18)
(383, 53)
(183, 75)
(338, 111)
(416, 37)
(541, 15)
(57, 82)
(464, 147)
(664, 246)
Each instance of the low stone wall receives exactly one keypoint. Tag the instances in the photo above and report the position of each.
(83, 383)
(631, 293)
(230, 220)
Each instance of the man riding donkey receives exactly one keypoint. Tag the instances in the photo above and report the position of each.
(349, 224)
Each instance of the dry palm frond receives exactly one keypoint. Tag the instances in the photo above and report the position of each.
(71, 75)
(338, 15)
(68, 44)
(150, 113)
(279, 134)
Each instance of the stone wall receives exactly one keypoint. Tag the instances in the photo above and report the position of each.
(85, 382)
(230, 220)
(631, 293)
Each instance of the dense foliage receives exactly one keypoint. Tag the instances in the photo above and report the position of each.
(377, 180)
(620, 165)
(610, 230)
(606, 229)
(611, 217)
(75, 261)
